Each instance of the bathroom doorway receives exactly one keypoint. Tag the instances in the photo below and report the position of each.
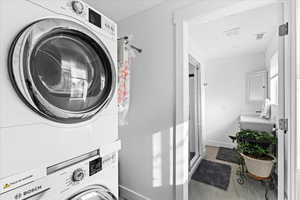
(240, 54)
(181, 24)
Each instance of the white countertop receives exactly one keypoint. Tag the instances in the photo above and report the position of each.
(255, 119)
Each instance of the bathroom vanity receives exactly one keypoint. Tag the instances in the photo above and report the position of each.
(256, 123)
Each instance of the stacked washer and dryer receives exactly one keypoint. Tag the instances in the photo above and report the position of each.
(58, 104)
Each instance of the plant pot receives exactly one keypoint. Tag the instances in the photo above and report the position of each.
(258, 168)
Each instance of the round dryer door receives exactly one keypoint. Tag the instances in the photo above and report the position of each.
(94, 193)
(62, 70)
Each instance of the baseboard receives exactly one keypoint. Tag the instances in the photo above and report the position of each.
(220, 144)
(128, 194)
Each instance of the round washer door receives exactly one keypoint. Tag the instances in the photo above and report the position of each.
(94, 193)
(62, 70)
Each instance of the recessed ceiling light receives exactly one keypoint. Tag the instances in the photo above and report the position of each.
(260, 36)
(232, 32)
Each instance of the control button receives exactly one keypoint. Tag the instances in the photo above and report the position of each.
(78, 7)
(78, 175)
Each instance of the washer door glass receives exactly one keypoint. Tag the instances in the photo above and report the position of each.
(94, 194)
(62, 70)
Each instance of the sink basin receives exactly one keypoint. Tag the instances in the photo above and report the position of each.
(256, 123)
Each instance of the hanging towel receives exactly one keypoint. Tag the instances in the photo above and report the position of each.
(125, 55)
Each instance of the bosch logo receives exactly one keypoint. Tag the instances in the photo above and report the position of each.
(28, 192)
(32, 190)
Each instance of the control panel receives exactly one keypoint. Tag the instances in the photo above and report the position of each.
(62, 179)
(82, 11)
(45, 183)
(95, 166)
(92, 16)
(77, 173)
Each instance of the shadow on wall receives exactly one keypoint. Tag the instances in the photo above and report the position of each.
(146, 163)
(152, 169)
(158, 159)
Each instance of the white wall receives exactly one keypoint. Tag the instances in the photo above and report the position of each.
(271, 50)
(226, 95)
(146, 156)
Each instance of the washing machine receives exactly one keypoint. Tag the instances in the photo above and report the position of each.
(58, 66)
(91, 176)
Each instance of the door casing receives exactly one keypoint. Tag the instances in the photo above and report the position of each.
(212, 10)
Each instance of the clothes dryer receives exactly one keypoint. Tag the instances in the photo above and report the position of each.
(57, 81)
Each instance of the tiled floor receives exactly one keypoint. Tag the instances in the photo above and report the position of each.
(251, 190)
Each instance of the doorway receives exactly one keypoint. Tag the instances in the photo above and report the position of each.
(240, 56)
(219, 11)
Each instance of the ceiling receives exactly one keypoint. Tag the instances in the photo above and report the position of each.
(121, 9)
(235, 35)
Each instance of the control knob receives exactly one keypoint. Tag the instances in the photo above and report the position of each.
(78, 175)
(77, 7)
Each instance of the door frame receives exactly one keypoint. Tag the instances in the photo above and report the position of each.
(194, 163)
(291, 98)
(210, 10)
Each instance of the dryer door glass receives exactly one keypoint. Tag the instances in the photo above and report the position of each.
(69, 73)
(62, 70)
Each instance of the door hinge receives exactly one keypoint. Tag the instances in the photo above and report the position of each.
(284, 29)
(283, 125)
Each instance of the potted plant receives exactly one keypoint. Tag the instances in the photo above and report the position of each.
(256, 149)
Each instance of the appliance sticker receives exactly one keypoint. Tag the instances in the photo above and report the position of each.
(17, 180)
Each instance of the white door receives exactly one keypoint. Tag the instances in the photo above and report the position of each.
(283, 67)
(257, 86)
(296, 107)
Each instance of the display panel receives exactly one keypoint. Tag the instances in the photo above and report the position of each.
(95, 166)
(94, 18)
